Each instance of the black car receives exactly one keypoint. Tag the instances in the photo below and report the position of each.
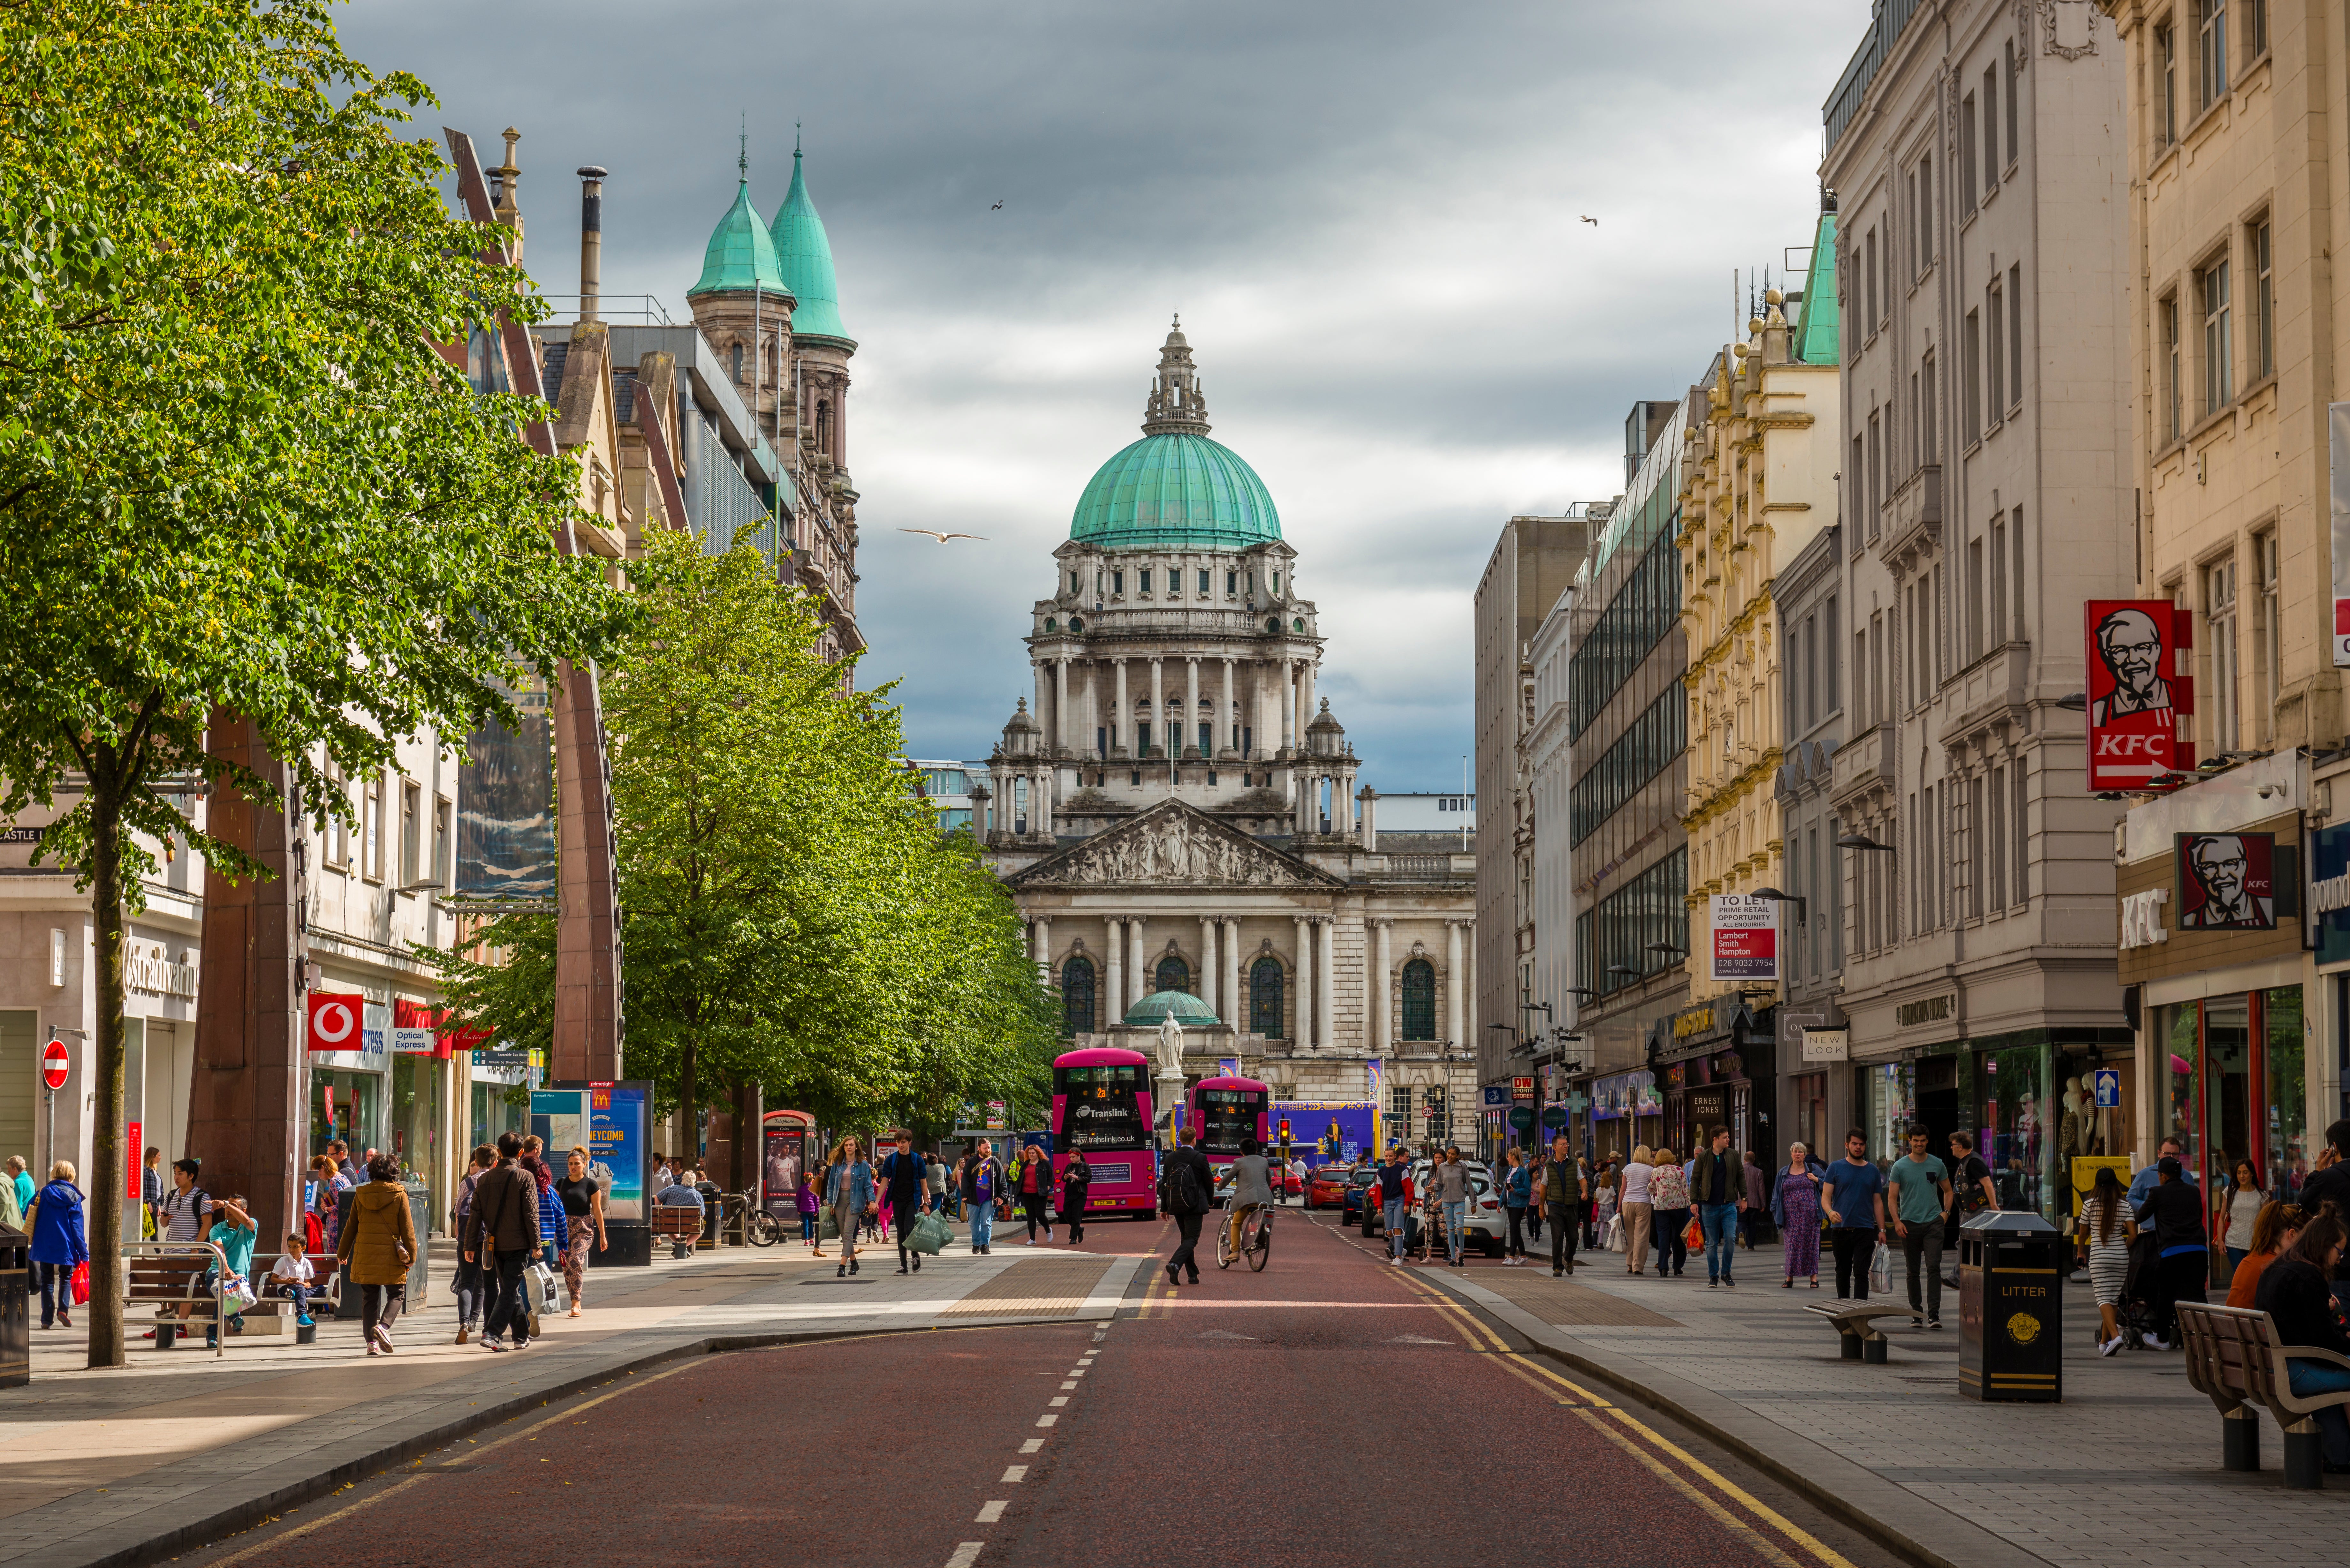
(1350, 1205)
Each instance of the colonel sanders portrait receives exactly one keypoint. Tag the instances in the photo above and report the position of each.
(2131, 646)
(2222, 869)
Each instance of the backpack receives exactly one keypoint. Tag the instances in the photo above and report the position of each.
(1968, 1181)
(1183, 1194)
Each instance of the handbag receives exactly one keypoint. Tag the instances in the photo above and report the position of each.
(929, 1234)
(81, 1283)
(1614, 1241)
(1694, 1237)
(1880, 1270)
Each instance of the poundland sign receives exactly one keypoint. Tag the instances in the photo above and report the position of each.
(2329, 892)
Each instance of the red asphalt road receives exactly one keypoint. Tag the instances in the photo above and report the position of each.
(1322, 1411)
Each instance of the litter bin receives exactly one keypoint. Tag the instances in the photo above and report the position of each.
(2011, 1268)
(15, 1308)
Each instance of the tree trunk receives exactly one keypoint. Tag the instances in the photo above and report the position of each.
(687, 1107)
(106, 1176)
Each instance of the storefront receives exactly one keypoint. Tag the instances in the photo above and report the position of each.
(1716, 1069)
(1622, 1111)
(2212, 938)
(1815, 1095)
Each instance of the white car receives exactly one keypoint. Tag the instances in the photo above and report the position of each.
(1485, 1219)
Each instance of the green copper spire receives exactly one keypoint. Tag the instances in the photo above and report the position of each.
(741, 255)
(1816, 323)
(805, 253)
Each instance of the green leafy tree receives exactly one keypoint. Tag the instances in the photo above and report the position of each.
(235, 475)
(795, 919)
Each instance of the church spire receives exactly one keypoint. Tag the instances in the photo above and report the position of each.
(1176, 407)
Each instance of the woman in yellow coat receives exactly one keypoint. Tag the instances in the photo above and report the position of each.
(377, 1245)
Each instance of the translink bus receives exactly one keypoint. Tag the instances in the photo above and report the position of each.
(1101, 1107)
(1226, 1110)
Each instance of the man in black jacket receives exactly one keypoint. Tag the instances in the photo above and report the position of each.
(502, 1230)
(2183, 1262)
(2332, 1185)
(1188, 1202)
(904, 1179)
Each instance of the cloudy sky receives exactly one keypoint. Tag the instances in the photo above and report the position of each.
(1369, 215)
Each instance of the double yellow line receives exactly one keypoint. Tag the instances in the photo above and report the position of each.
(1719, 1496)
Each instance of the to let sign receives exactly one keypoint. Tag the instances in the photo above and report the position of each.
(1745, 938)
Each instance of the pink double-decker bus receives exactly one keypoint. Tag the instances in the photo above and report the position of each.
(1226, 1110)
(1101, 1107)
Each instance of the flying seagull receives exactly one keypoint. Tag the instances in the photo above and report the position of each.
(997, 208)
(1588, 219)
(942, 539)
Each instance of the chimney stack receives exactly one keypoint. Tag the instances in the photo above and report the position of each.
(591, 239)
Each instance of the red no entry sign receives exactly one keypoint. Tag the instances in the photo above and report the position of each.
(54, 1063)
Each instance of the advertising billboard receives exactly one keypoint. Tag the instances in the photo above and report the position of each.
(1330, 1132)
(2141, 695)
(2227, 882)
(506, 804)
(1745, 936)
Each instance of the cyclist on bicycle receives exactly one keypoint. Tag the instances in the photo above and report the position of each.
(1252, 1187)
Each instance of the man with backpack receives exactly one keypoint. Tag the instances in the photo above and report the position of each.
(1393, 1198)
(983, 1178)
(1188, 1183)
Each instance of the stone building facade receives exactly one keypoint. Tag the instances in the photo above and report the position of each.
(1180, 812)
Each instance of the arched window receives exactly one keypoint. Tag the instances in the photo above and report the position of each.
(1173, 974)
(1077, 997)
(1419, 1000)
(738, 364)
(1264, 998)
(823, 428)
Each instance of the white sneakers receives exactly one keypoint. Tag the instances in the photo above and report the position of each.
(2152, 1342)
(2110, 1346)
(1396, 1261)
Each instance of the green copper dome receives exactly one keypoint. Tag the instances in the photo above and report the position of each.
(741, 255)
(1181, 491)
(804, 252)
(1179, 1005)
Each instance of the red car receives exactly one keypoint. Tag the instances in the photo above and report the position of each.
(1327, 1187)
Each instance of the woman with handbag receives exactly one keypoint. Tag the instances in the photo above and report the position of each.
(1669, 1212)
(59, 1243)
(375, 1250)
(1636, 1211)
(848, 1193)
(1076, 1181)
(582, 1197)
(1795, 1207)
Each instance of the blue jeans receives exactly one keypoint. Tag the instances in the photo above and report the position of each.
(1391, 1215)
(982, 1224)
(1456, 1226)
(56, 1281)
(2308, 1378)
(1719, 1221)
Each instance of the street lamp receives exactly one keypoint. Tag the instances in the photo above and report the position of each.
(1862, 841)
(2074, 701)
(1803, 905)
(1667, 950)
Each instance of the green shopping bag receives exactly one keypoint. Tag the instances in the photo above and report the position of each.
(828, 1229)
(930, 1234)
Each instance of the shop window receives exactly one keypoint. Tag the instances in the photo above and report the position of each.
(2285, 1083)
(1077, 997)
(415, 1103)
(2182, 1027)
(1892, 1100)
(2010, 1125)
(2228, 1083)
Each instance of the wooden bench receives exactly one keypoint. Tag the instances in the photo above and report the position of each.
(681, 1227)
(2233, 1358)
(1856, 1325)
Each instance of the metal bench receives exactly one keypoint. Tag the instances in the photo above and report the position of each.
(1855, 1325)
(679, 1226)
(2234, 1359)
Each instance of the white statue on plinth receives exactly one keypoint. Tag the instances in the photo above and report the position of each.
(1170, 1047)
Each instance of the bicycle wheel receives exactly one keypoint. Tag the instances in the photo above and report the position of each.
(1223, 1241)
(761, 1231)
(1260, 1247)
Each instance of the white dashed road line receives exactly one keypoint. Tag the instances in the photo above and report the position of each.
(965, 1554)
(1031, 1445)
(1060, 1399)
(1015, 1472)
(988, 1513)
(1048, 1420)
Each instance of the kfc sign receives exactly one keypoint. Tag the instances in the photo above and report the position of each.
(2141, 693)
(2226, 882)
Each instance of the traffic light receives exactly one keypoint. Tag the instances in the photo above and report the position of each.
(1284, 1130)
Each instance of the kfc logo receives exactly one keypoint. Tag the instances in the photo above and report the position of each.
(2225, 882)
(2138, 697)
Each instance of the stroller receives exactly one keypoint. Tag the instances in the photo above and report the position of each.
(2136, 1310)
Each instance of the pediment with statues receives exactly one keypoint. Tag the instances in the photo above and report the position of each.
(1173, 844)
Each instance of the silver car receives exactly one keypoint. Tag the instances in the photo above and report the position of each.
(1485, 1219)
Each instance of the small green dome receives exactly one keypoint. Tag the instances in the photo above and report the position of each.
(1178, 490)
(740, 256)
(1179, 1005)
(804, 252)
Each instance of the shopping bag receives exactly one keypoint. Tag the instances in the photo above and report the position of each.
(828, 1228)
(80, 1284)
(929, 1234)
(1615, 1241)
(238, 1295)
(1694, 1237)
(538, 1284)
(1880, 1270)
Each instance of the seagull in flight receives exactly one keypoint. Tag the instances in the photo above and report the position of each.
(1588, 219)
(997, 208)
(942, 539)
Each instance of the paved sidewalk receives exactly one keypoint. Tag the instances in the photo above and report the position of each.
(2126, 1470)
(125, 1465)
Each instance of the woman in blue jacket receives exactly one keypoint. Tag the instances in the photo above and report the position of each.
(58, 1243)
(1517, 1192)
(848, 1193)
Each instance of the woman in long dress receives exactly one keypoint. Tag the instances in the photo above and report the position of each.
(1795, 1210)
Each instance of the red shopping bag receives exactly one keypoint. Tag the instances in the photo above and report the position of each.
(1694, 1237)
(80, 1284)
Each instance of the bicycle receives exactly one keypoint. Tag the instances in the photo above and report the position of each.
(1256, 1237)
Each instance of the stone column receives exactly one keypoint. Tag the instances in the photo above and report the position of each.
(1326, 1010)
(1292, 731)
(1228, 720)
(1209, 973)
(1123, 716)
(1113, 960)
(1043, 690)
(1234, 983)
(1043, 938)
(1382, 997)
(1157, 704)
(1140, 981)
(1304, 696)
(1089, 717)
(1301, 1006)
(1191, 712)
(1060, 746)
(1455, 979)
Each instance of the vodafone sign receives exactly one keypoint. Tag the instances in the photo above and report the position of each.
(335, 1021)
